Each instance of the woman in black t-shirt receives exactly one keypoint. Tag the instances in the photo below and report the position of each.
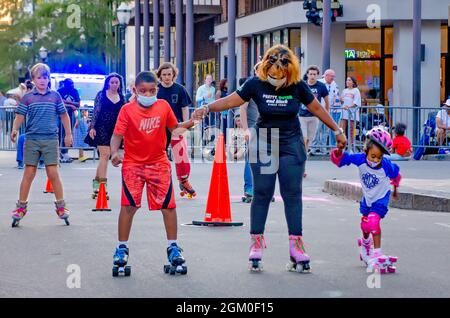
(276, 145)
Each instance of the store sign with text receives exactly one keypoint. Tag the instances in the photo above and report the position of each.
(358, 54)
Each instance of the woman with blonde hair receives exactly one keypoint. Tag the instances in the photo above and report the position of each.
(277, 148)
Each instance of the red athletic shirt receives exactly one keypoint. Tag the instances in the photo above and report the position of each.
(144, 131)
(401, 145)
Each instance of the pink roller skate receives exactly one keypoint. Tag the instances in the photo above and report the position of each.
(299, 261)
(62, 211)
(256, 249)
(382, 264)
(366, 250)
(19, 213)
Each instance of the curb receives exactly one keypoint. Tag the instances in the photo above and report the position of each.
(407, 199)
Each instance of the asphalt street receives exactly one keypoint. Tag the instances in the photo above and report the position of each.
(40, 258)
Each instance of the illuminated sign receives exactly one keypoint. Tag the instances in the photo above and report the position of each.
(356, 54)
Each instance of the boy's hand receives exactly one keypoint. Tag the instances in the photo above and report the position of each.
(199, 114)
(68, 140)
(116, 159)
(14, 134)
(247, 134)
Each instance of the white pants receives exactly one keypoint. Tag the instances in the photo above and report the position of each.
(309, 127)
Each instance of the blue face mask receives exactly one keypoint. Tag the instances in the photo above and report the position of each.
(146, 101)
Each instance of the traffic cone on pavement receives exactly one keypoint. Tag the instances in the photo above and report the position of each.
(48, 187)
(102, 201)
(218, 211)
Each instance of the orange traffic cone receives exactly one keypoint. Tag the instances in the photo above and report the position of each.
(218, 212)
(102, 201)
(48, 187)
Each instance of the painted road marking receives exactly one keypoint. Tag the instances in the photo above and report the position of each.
(443, 224)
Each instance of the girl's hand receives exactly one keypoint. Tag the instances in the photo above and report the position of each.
(395, 194)
(341, 142)
(92, 133)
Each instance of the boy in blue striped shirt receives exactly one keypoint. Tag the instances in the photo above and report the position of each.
(41, 107)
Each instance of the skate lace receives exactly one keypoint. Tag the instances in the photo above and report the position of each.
(299, 245)
(120, 253)
(61, 211)
(186, 184)
(259, 241)
(20, 211)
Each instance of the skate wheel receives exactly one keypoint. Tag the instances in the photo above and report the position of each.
(107, 197)
(306, 267)
(166, 269)
(183, 270)
(115, 271)
(127, 270)
(182, 194)
(393, 259)
(382, 260)
(15, 223)
(189, 196)
(67, 221)
(94, 196)
(392, 269)
(290, 266)
(172, 271)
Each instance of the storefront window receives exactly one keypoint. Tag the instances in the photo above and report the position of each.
(389, 41)
(266, 42)
(444, 39)
(286, 37)
(294, 39)
(276, 37)
(363, 43)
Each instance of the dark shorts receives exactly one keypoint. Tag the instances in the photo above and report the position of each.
(156, 178)
(48, 149)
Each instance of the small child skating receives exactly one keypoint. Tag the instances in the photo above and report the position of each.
(142, 125)
(80, 131)
(41, 107)
(377, 174)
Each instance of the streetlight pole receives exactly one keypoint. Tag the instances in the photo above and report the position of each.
(326, 31)
(123, 16)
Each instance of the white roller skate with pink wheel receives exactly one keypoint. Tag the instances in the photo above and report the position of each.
(256, 250)
(366, 249)
(19, 213)
(299, 260)
(382, 264)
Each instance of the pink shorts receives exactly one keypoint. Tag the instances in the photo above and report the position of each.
(158, 181)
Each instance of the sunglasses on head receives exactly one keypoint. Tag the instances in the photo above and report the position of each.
(277, 57)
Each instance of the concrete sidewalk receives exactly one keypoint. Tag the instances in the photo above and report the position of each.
(414, 194)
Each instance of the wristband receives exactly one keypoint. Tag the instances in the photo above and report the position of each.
(338, 132)
(206, 107)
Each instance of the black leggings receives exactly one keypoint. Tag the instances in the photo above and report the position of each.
(290, 174)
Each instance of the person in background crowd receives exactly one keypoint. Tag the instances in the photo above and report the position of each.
(71, 100)
(334, 99)
(443, 124)
(351, 99)
(401, 145)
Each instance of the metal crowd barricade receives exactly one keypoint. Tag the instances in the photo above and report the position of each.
(7, 115)
(73, 119)
(362, 119)
(202, 138)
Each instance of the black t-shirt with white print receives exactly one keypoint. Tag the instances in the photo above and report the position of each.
(277, 108)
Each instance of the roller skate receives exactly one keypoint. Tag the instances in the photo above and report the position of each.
(96, 185)
(256, 247)
(62, 211)
(175, 261)
(247, 198)
(19, 213)
(186, 189)
(366, 250)
(299, 260)
(120, 261)
(382, 264)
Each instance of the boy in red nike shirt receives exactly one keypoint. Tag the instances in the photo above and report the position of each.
(142, 125)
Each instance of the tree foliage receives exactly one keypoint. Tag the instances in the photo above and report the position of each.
(83, 26)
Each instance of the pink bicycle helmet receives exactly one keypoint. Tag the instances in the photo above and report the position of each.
(382, 138)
